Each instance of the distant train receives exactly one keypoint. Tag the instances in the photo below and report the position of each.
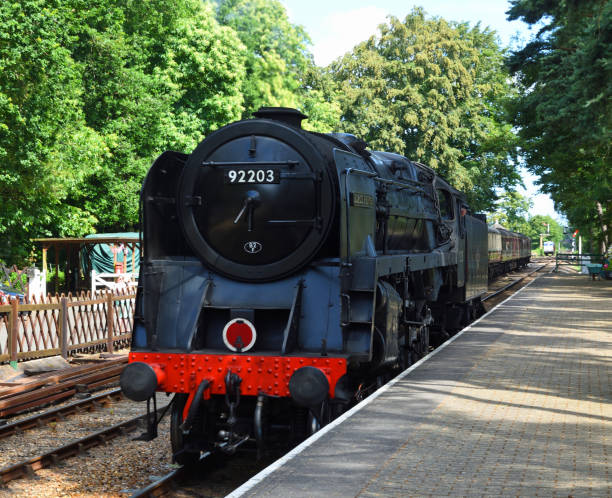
(549, 248)
(507, 250)
(287, 274)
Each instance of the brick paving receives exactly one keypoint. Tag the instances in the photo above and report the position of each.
(519, 405)
(534, 416)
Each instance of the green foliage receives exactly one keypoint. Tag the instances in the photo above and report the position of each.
(277, 52)
(319, 102)
(16, 281)
(564, 112)
(511, 211)
(41, 163)
(434, 91)
(545, 225)
(279, 66)
(51, 277)
(156, 76)
(90, 93)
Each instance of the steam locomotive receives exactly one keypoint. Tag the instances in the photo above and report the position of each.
(288, 273)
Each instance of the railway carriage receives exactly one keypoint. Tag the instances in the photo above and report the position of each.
(286, 274)
(508, 250)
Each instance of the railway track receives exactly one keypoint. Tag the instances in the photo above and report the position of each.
(77, 447)
(514, 282)
(60, 413)
(164, 486)
(216, 475)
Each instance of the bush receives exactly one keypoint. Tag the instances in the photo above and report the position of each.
(51, 277)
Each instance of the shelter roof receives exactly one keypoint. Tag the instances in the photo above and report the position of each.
(79, 241)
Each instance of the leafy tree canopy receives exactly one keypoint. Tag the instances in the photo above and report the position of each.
(90, 93)
(511, 211)
(277, 53)
(546, 227)
(156, 76)
(44, 140)
(436, 92)
(280, 70)
(564, 112)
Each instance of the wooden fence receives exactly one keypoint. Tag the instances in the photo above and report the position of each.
(65, 325)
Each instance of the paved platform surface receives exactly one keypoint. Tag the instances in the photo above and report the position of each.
(518, 405)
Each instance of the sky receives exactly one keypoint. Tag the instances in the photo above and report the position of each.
(335, 27)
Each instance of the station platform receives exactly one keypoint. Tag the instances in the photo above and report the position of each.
(519, 403)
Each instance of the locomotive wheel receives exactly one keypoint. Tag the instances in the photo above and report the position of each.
(405, 358)
(409, 355)
(184, 448)
(318, 417)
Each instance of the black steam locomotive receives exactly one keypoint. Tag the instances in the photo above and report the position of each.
(287, 273)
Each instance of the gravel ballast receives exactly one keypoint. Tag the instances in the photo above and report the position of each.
(114, 469)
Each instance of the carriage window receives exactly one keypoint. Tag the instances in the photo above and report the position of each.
(446, 204)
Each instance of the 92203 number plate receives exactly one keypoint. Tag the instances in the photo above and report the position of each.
(240, 176)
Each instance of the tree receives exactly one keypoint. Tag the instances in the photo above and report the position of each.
(276, 51)
(546, 227)
(156, 76)
(91, 91)
(511, 212)
(564, 112)
(434, 91)
(45, 146)
(280, 70)
(319, 101)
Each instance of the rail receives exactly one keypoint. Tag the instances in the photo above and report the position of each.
(512, 284)
(60, 413)
(166, 485)
(26, 467)
(64, 325)
(161, 487)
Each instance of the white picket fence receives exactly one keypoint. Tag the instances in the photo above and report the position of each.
(113, 282)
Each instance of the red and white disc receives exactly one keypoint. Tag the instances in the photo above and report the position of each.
(239, 334)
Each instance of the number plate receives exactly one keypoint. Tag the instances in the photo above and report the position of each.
(248, 176)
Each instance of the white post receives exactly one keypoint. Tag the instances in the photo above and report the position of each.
(579, 244)
(37, 284)
(93, 284)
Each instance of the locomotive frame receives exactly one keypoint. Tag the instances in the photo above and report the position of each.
(271, 306)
